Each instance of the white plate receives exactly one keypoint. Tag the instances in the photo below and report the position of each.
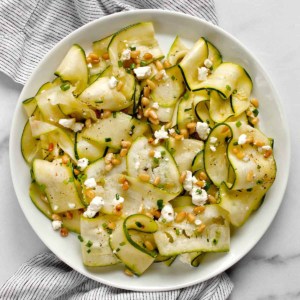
(274, 124)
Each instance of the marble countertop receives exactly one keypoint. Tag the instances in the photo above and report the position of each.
(271, 30)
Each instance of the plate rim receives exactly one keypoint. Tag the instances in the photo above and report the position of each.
(143, 13)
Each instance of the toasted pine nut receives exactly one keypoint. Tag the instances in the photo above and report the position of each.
(56, 217)
(88, 123)
(151, 153)
(148, 56)
(90, 194)
(122, 178)
(108, 167)
(144, 177)
(156, 180)
(126, 144)
(64, 232)
(202, 176)
(254, 121)
(159, 76)
(137, 61)
(200, 228)
(115, 161)
(168, 125)
(179, 137)
(135, 53)
(199, 209)
(249, 113)
(250, 140)
(111, 225)
(200, 183)
(255, 102)
(106, 113)
(191, 217)
(105, 56)
(154, 121)
(149, 245)
(149, 215)
(76, 172)
(240, 155)
(235, 150)
(191, 125)
(146, 91)
(50, 147)
(93, 55)
(151, 84)
(119, 207)
(95, 61)
(180, 216)
(268, 153)
(212, 199)
(145, 101)
(88, 60)
(128, 272)
(150, 140)
(120, 85)
(123, 152)
(184, 132)
(159, 65)
(167, 64)
(250, 176)
(108, 158)
(182, 177)
(69, 215)
(146, 112)
(152, 114)
(156, 214)
(65, 159)
(125, 185)
(258, 143)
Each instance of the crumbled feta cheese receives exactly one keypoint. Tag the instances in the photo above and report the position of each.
(67, 123)
(142, 72)
(155, 105)
(266, 148)
(112, 83)
(189, 181)
(157, 154)
(125, 54)
(164, 75)
(56, 224)
(198, 222)
(78, 127)
(246, 158)
(71, 205)
(94, 207)
(172, 131)
(213, 140)
(199, 196)
(203, 130)
(90, 183)
(161, 134)
(167, 213)
(55, 207)
(118, 199)
(212, 148)
(82, 163)
(208, 63)
(202, 73)
(242, 139)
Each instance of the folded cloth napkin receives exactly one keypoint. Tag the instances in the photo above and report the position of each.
(28, 30)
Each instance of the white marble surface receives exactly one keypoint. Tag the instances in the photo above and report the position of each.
(271, 30)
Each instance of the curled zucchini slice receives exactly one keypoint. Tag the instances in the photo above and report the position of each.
(177, 51)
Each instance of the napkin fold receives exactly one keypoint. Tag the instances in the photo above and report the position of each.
(28, 30)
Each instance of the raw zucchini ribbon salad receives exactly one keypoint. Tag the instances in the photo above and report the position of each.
(147, 158)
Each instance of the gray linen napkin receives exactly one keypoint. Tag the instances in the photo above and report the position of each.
(28, 30)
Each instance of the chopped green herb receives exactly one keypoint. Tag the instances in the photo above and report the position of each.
(173, 77)
(89, 244)
(163, 153)
(186, 96)
(42, 187)
(122, 244)
(235, 143)
(71, 179)
(109, 231)
(114, 114)
(155, 160)
(238, 124)
(215, 242)
(187, 109)
(172, 150)
(139, 224)
(132, 48)
(107, 140)
(82, 177)
(120, 63)
(143, 63)
(160, 204)
(199, 191)
(118, 249)
(259, 181)
(177, 131)
(234, 92)
(255, 112)
(132, 66)
(88, 250)
(177, 231)
(65, 86)
(164, 220)
(249, 190)
(258, 167)
(117, 196)
(99, 101)
(80, 238)
(66, 181)
(104, 225)
(228, 87)
(128, 71)
(207, 185)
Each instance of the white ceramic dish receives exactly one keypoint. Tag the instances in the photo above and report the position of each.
(274, 124)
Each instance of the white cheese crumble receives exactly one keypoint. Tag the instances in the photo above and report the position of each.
(212, 148)
(213, 140)
(118, 199)
(67, 123)
(208, 63)
(82, 163)
(161, 134)
(266, 148)
(189, 181)
(157, 154)
(203, 130)
(164, 75)
(112, 83)
(172, 131)
(55, 207)
(198, 222)
(90, 183)
(78, 127)
(94, 207)
(242, 139)
(167, 213)
(142, 72)
(199, 196)
(202, 73)
(125, 54)
(56, 224)
(71, 205)
(155, 105)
